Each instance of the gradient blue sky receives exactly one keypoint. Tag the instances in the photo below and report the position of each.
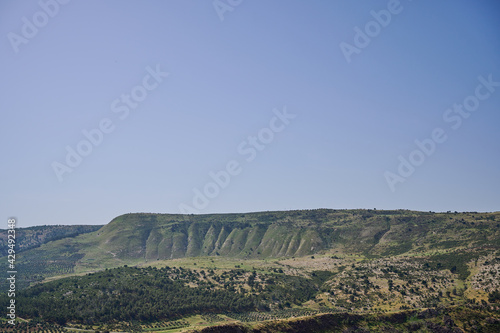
(353, 120)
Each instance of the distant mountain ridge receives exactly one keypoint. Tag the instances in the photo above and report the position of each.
(31, 237)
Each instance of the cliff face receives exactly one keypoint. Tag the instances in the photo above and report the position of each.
(154, 239)
(294, 233)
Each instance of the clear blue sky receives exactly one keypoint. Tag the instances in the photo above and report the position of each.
(346, 118)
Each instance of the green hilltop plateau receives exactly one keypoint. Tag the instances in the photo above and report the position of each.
(141, 237)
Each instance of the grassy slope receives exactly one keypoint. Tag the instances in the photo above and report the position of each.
(145, 238)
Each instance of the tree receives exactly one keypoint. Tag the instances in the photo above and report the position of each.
(494, 296)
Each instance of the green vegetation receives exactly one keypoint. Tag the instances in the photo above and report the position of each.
(32, 237)
(458, 319)
(145, 238)
(456, 262)
(35, 325)
(330, 269)
(149, 294)
(494, 297)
